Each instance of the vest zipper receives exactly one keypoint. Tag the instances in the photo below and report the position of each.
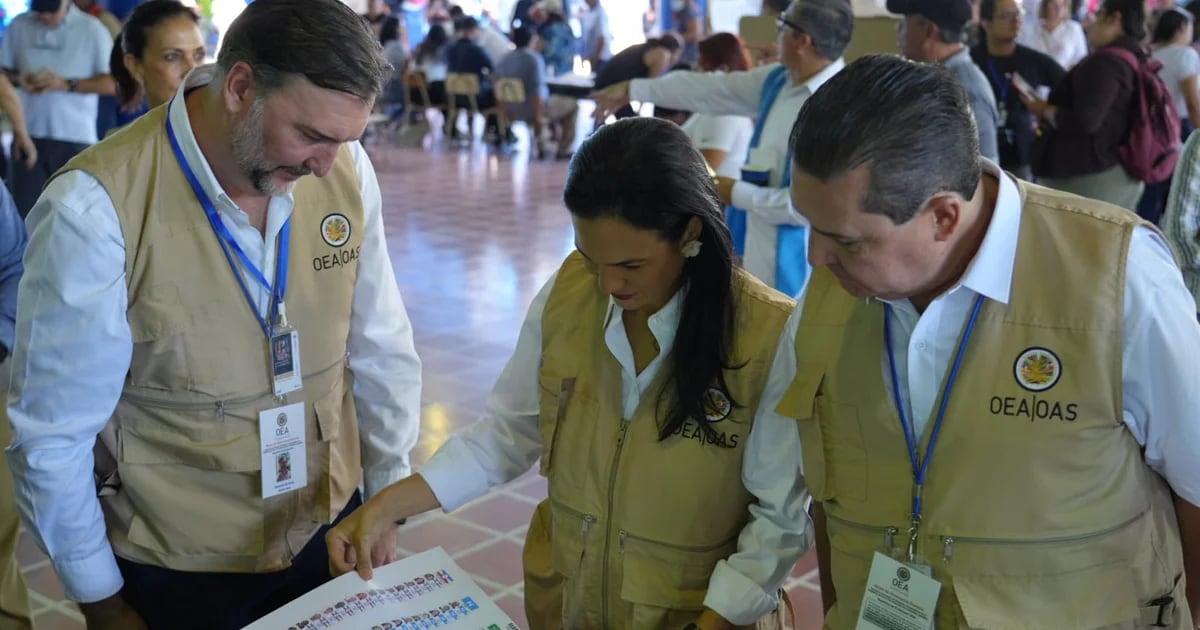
(949, 541)
(219, 406)
(612, 486)
(622, 535)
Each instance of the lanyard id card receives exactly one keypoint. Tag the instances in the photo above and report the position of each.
(898, 597)
(285, 357)
(282, 442)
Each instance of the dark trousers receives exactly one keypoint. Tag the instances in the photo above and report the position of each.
(1154, 198)
(26, 183)
(181, 600)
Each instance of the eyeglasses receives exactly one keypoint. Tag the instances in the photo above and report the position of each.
(1011, 16)
(782, 22)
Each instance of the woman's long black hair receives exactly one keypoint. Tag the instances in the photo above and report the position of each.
(646, 172)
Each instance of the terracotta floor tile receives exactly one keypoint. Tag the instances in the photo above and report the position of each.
(809, 611)
(533, 485)
(45, 582)
(454, 536)
(27, 550)
(499, 562)
(514, 607)
(499, 511)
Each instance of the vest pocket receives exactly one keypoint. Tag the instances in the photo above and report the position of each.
(554, 397)
(666, 583)
(570, 533)
(800, 402)
(1097, 597)
(222, 517)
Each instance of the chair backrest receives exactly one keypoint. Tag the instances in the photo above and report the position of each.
(510, 91)
(462, 84)
(415, 80)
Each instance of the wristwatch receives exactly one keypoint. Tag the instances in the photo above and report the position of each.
(72, 84)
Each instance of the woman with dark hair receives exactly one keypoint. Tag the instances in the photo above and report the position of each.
(1180, 72)
(643, 379)
(641, 61)
(160, 43)
(1090, 112)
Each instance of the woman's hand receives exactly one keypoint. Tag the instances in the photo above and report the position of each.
(367, 538)
(360, 541)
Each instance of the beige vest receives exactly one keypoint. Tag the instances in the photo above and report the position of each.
(1039, 509)
(634, 527)
(182, 450)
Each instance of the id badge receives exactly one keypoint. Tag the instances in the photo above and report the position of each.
(898, 597)
(285, 361)
(284, 457)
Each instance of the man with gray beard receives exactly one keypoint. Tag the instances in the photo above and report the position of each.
(211, 350)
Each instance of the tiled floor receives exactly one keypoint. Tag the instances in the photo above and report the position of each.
(472, 237)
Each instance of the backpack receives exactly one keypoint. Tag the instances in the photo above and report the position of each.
(1151, 146)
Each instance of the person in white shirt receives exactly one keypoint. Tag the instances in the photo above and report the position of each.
(622, 382)
(107, 320)
(1046, 342)
(58, 56)
(596, 36)
(813, 35)
(1056, 34)
(723, 140)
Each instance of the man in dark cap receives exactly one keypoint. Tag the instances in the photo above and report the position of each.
(934, 31)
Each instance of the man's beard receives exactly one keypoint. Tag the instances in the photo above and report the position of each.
(250, 157)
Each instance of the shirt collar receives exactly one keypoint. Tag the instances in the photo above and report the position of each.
(663, 324)
(817, 80)
(990, 272)
(962, 56)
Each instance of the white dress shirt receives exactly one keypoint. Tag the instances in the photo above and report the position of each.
(740, 94)
(731, 134)
(1161, 384)
(1066, 44)
(74, 346)
(507, 441)
(78, 48)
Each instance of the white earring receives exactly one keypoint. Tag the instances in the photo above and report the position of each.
(691, 249)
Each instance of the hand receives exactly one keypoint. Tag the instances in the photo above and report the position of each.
(47, 81)
(710, 620)
(610, 99)
(31, 83)
(362, 541)
(725, 189)
(113, 613)
(28, 151)
(1040, 108)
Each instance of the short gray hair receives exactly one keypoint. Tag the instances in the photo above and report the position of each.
(321, 40)
(910, 123)
(830, 24)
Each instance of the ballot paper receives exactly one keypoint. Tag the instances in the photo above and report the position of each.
(422, 592)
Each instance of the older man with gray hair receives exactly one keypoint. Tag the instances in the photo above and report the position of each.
(813, 35)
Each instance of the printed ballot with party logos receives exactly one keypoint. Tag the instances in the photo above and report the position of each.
(427, 591)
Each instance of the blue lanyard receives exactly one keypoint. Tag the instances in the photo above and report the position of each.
(774, 84)
(1001, 85)
(229, 244)
(921, 467)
